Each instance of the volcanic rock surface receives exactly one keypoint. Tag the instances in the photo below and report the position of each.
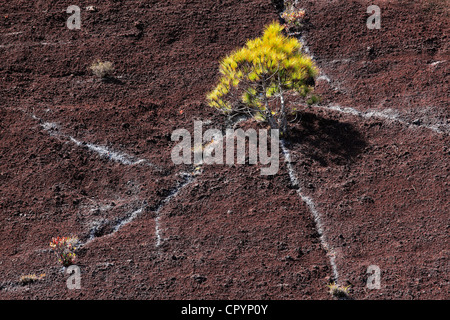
(91, 158)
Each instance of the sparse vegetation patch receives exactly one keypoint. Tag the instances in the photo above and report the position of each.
(30, 278)
(64, 248)
(102, 69)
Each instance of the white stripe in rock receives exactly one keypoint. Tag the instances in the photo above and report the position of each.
(386, 114)
(312, 207)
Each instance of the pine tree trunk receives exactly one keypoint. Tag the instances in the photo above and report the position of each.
(283, 120)
(272, 122)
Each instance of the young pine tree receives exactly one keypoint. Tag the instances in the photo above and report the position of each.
(264, 70)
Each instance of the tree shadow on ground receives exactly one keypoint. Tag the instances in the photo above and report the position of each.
(326, 141)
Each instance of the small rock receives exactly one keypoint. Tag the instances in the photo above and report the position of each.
(366, 199)
(199, 278)
(139, 25)
(288, 258)
(294, 186)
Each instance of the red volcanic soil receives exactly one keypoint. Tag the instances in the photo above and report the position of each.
(91, 158)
